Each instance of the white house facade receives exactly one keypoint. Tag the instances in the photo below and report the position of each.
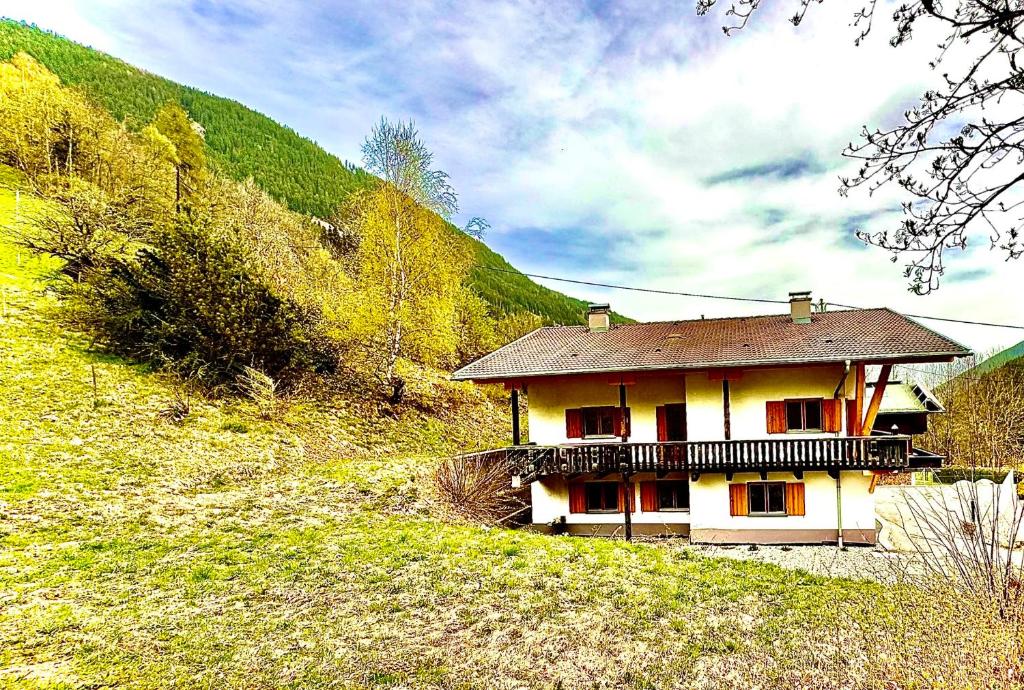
(744, 430)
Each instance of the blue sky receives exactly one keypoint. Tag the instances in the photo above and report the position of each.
(620, 142)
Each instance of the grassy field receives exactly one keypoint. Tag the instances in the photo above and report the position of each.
(229, 551)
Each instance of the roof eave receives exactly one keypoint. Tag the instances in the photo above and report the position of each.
(900, 358)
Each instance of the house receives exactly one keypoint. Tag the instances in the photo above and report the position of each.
(733, 430)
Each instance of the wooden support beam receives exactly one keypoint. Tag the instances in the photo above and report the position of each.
(858, 401)
(725, 409)
(876, 399)
(516, 441)
(627, 486)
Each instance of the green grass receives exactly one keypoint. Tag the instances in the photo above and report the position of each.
(229, 551)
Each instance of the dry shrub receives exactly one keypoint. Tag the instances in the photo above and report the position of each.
(261, 389)
(478, 487)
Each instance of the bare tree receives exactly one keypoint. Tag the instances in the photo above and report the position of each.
(958, 154)
(970, 536)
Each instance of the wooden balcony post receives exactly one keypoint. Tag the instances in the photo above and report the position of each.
(516, 441)
(725, 409)
(624, 466)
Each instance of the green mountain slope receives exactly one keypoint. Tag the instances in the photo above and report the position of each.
(999, 360)
(244, 143)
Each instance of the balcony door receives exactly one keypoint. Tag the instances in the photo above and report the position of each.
(672, 422)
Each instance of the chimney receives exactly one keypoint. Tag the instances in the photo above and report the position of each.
(800, 306)
(598, 317)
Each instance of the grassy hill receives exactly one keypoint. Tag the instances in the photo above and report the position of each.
(307, 551)
(244, 143)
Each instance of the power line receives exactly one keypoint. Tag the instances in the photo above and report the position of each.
(760, 300)
(942, 318)
(633, 288)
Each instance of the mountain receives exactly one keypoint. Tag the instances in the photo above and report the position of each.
(244, 143)
(998, 361)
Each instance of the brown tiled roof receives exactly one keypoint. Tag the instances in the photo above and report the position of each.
(863, 335)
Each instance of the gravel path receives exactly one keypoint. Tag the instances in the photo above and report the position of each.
(857, 562)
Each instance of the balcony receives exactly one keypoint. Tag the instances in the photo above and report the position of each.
(768, 455)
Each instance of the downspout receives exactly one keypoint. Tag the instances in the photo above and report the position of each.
(839, 472)
(839, 508)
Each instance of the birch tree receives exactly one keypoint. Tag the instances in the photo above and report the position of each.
(411, 261)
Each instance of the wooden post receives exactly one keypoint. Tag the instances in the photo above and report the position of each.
(725, 409)
(876, 399)
(858, 401)
(627, 486)
(515, 417)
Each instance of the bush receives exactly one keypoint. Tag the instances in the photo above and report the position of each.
(951, 475)
(192, 302)
(478, 487)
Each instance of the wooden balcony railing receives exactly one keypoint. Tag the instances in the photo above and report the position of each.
(780, 455)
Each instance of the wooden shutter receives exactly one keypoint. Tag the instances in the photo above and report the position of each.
(776, 416)
(577, 498)
(831, 415)
(648, 497)
(618, 421)
(851, 418)
(632, 497)
(795, 498)
(738, 500)
(662, 417)
(574, 423)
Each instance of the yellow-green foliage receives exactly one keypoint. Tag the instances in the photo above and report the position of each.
(128, 200)
(409, 271)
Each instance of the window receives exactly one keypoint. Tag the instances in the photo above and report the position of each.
(766, 498)
(598, 421)
(602, 497)
(803, 415)
(673, 495)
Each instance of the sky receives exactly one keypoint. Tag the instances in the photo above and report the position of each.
(616, 142)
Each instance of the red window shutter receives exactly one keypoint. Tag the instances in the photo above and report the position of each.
(577, 498)
(832, 415)
(795, 499)
(776, 416)
(648, 497)
(662, 423)
(632, 497)
(574, 423)
(618, 421)
(738, 500)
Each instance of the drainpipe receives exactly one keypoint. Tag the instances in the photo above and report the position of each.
(839, 508)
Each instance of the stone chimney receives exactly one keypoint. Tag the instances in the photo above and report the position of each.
(599, 317)
(800, 306)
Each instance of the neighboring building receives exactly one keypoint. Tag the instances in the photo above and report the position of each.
(905, 408)
(729, 430)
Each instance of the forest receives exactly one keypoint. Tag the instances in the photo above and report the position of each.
(167, 261)
(242, 144)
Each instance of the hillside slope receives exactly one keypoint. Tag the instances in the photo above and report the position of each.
(245, 143)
